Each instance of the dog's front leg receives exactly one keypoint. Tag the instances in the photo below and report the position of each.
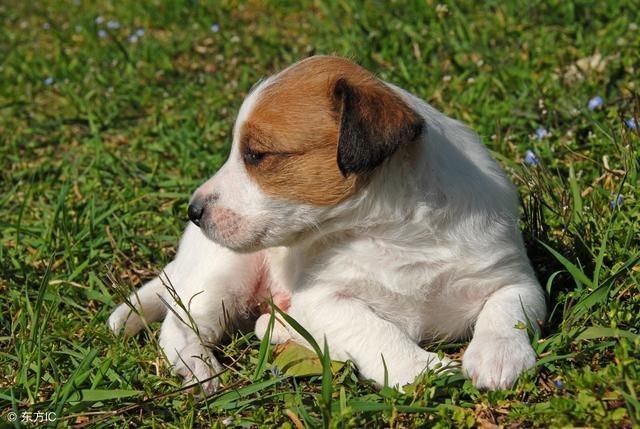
(208, 289)
(213, 289)
(144, 306)
(500, 349)
(355, 332)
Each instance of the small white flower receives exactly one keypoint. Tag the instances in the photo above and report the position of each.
(215, 28)
(442, 9)
(99, 20)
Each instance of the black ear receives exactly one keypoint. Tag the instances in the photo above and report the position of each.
(374, 122)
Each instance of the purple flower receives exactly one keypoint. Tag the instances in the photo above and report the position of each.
(136, 35)
(46, 26)
(102, 33)
(276, 371)
(113, 24)
(542, 133)
(49, 81)
(558, 383)
(215, 28)
(530, 157)
(631, 123)
(228, 421)
(99, 20)
(617, 202)
(595, 103)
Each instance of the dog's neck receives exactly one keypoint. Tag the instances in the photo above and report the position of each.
(426, 187)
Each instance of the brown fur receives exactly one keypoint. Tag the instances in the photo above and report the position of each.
(296, 125)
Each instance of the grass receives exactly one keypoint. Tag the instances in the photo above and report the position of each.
(103, 140)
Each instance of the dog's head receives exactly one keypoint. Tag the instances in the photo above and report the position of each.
(305, 141)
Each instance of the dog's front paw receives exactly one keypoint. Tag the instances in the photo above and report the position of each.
(195, 364)
(125, 321)
(496, 362)
(279, 333)
(400, 373)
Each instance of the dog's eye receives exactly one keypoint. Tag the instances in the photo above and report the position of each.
(253, 158)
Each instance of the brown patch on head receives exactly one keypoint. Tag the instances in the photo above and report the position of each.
(319, 127)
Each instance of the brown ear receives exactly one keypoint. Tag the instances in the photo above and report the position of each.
(374, 122)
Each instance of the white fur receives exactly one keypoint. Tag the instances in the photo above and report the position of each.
(430, 249)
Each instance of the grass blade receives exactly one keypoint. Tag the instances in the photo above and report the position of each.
(327, 387)
(576, 273)
(265, 348)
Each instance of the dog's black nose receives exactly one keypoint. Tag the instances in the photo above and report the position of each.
(195, 212)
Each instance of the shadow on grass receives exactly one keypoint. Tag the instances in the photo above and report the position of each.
(567, 238)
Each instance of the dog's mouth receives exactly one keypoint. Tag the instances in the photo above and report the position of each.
(252, 244)
(232, 231)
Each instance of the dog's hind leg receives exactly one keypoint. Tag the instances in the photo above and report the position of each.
(145, 305)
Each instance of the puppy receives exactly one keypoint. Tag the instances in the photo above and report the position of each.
(370, 217)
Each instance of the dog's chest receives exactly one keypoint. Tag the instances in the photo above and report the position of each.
(411, 286)
(277, 274)
(410, 272)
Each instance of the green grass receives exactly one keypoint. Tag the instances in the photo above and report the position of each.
(97, 168)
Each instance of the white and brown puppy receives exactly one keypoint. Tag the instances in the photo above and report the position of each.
(375, 220)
